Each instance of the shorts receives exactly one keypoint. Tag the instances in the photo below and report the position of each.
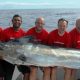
(23, 69)
(1, 70)
(7, 69)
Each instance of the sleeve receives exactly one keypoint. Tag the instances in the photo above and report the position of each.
(72, 36)
(4, 36)
(68, 41)
(29, 32)
(50, 39)
(45, 37)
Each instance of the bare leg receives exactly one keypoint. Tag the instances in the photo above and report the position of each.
(67, 74)
(33, 73)
(46, 73)
(26, 76)
(1, 78)
(53, 73)
(73, 74)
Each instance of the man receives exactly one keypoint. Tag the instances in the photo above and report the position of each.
(58, 37)
(75, 35)
(75, 41)
(38, 32)
(10, 33)
(39, 35)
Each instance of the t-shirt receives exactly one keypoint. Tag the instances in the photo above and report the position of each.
(75, 38)
(10, 33)
(40, 37)
(55, 39)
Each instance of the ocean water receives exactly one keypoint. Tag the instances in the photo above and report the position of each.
(51, 17)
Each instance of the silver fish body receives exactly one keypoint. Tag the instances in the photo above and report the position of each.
(25, 53)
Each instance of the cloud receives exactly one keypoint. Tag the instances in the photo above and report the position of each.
(23, 4)
(35, 5)
(18, 5)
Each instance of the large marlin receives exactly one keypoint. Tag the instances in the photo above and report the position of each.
(23, 51)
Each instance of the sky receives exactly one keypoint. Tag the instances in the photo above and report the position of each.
(38, 4)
